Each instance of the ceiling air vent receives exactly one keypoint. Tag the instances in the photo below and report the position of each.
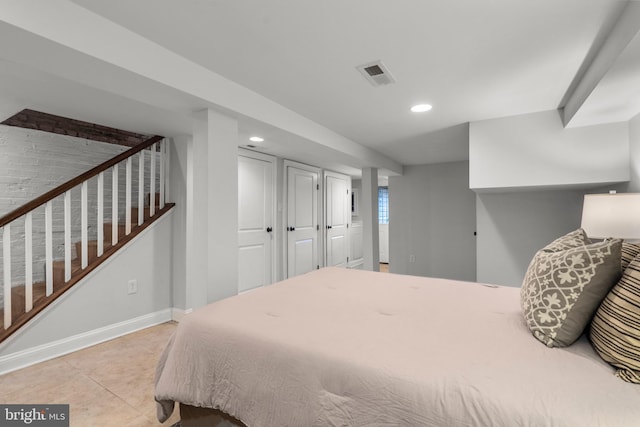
(376, 73)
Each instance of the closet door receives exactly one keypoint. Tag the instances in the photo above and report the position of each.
(302, 221)
(337, 218)
(255, 222)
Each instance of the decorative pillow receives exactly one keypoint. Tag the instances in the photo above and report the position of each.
(629, 252)
(564, 286)
(615, 329)
(571, 240)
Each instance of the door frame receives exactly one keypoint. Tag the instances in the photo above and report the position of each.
(274, 202)
(285, 211)
(326, 174)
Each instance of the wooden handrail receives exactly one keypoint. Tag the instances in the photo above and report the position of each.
(61, 189)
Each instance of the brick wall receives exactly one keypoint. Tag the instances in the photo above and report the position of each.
(33, 162)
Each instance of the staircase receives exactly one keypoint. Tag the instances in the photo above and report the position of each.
(131, 213)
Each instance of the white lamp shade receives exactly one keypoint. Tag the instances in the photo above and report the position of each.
(612, 215)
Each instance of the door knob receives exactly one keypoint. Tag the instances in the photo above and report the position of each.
(269, 229)
(329, 226)
(291, 228)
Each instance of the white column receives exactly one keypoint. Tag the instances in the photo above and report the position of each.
(369, 214)
(212, 207)
(196, 220)
(180, 147)
(223, 192)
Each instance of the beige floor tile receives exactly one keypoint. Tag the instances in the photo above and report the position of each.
(105, 409)
(76, 390)
(41, 376)
(110, 384)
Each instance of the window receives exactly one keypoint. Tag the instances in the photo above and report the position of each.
(383, 205)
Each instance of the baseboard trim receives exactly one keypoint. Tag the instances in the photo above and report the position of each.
(28, 357)
(177, 313)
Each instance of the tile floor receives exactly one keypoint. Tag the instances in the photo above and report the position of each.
(110, 384)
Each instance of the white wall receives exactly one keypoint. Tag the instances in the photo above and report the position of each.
(534, 150)
(432, 217)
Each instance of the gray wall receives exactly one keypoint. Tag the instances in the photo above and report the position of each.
(513, 226)
(432, 217)
(102, 300)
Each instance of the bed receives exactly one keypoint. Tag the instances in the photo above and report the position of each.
(338, 347)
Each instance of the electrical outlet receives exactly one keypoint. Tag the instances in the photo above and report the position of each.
(412, 258)
(132, 286)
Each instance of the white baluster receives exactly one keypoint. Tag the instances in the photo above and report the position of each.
(167, 169)
(114, 205)
(100, 196)
(84, 219)
(127, 203)
(152, 183)
(67, 236)
(162, 171)
(141, 188)
(48, 232)
(6, 257)
(28, 262)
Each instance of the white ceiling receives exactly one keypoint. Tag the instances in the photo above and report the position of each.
(471, 59)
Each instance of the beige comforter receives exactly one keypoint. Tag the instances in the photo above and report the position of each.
(340, 347)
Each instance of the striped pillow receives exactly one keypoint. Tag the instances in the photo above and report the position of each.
(615, 329)
(629, 252)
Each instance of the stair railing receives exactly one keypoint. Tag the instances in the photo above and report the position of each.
(158, 153)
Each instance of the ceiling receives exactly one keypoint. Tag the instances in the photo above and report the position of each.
(471, 59)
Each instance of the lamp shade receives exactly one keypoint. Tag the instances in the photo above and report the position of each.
(612, 215)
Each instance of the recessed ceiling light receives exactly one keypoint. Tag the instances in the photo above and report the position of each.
(256, 139)
(421, 108)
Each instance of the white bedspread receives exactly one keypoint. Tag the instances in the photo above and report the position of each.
(340, 347)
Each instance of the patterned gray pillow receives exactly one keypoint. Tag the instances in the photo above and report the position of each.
(570, 240)
(629, 252)
(564, 285)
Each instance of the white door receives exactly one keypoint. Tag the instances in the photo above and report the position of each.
(338, 215)
(255, 223)
(302, 221)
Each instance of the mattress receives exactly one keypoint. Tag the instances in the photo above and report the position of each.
(338, 347)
